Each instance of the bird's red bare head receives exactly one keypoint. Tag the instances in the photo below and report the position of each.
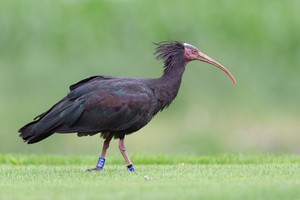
(192, 53)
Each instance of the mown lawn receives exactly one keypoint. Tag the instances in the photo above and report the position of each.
(157, 177)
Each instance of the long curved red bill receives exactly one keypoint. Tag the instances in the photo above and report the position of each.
(205, 58)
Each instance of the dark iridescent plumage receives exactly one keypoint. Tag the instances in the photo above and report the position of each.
(111, 104)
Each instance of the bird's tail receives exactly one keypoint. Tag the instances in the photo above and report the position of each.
(62, 113)
(28, 134)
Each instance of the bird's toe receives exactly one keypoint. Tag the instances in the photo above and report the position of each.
(96, 169)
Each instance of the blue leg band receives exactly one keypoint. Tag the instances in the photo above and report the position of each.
(101, 162)
(130, 168)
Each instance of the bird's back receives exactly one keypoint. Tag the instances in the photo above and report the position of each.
(96, 104)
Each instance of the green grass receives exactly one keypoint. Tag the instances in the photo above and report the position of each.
(179, 177)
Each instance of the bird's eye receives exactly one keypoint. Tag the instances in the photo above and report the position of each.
(194, 51)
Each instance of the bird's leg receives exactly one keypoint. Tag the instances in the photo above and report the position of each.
(102, 159)
(125, 155)
(106, 145)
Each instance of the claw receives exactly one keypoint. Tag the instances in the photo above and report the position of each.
(96, 169)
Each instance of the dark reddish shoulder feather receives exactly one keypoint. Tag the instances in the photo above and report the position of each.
(78, 84)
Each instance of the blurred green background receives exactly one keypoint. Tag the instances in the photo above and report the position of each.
(47, 45)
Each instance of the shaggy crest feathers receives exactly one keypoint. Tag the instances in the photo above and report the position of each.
(170, 52)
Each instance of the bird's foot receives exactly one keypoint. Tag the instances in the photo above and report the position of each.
(131, 168)
(96, 169)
